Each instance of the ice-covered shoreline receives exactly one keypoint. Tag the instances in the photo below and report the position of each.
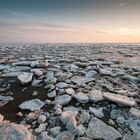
(73, 91)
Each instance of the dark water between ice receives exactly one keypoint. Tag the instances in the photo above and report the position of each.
(9, 110)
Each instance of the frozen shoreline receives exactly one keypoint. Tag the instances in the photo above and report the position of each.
(69, 82)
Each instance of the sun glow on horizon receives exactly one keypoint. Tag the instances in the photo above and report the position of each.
(70, 21)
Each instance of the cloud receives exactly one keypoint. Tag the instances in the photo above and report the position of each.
(122, 4)
(46, 28)
(49, 32)
(11, 13)
(43, 32)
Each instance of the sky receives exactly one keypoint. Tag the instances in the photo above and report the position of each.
(42, 21)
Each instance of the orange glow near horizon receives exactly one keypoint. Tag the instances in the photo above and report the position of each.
(70, 21)
(41, 33)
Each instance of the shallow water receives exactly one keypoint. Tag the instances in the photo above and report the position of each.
(9, 110)
(20, 95)
(57, 53)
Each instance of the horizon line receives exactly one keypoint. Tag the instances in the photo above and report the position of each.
(70, 42)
